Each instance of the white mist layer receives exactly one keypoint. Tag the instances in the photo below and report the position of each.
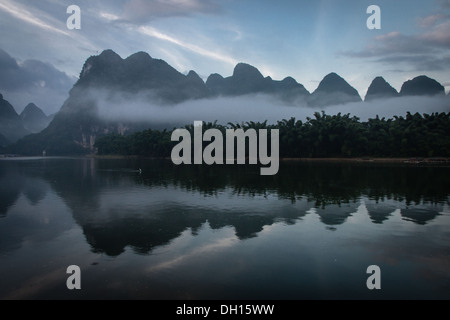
(257, 108)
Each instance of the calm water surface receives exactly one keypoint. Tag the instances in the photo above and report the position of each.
(224, 232)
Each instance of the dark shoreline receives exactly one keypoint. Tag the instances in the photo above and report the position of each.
(413, 160)
(377, 160)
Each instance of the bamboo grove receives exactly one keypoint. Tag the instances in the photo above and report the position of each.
(322, 136)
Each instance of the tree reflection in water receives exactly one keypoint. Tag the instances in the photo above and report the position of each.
(117, 207)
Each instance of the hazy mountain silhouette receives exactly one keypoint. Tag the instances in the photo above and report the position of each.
(247, 79)
(379, 88)
(196, 87)
(140, 73)
(11, 126)
(333, 90)
(34, 119)
(3, 141)
(289, 89)
(75, 128)
(421, 86)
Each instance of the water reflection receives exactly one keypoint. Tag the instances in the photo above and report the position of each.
(223, 231)
(22, 193)
(11, 185)
(380, 210)
(334, 214)
(117, 207)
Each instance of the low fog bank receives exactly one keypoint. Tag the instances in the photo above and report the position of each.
(139, 108)
(388, 108)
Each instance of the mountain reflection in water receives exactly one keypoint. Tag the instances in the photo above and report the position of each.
(117, 208)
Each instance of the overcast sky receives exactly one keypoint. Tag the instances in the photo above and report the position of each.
(304, 39)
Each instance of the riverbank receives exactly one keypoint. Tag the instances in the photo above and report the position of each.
(436, 160)
(377, 160)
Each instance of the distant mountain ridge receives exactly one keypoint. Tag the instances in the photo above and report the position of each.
(3, 141)
(247, 79)
(14, 126)
(138, 73)
(11, 126)
(76, 126)
(142, 73)
(34, 119)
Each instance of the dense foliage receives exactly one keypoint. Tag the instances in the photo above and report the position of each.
(323, 135)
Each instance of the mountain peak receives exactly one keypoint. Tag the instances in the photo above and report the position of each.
(33, 118)
(6, 109)
(332, 75)
(101, 63)
(379, 81)
(139, 57)
(289, 80)
(215, 77)
(380, 88)
(333, 89)
(244, 70)
(193, 75)
(215, 84)
(333, 82)
(11, 126)
(290, 83)
(422, 85)
(109, 55)
(32, 110)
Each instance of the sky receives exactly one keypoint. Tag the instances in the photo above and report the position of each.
(40, 58)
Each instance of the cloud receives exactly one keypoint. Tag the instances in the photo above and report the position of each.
(33, 81)
(418, 63)
(140, 11)
(108, 16)
(139, 108)
(438, 36)
(152, 32)
(395, 42)
(445, 4)
(431, 20)
(389, 44)
(420, 52)
(22, 13)
(424, 51)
